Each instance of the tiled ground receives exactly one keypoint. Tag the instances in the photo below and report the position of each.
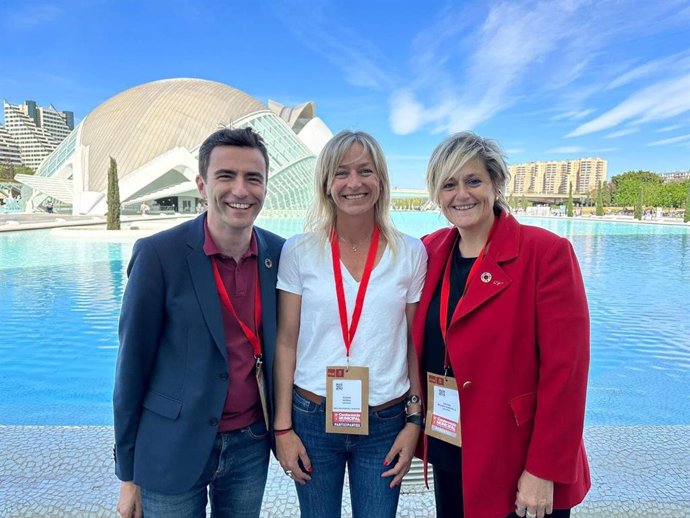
(67, 472)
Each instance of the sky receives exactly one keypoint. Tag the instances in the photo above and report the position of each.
(549, 80)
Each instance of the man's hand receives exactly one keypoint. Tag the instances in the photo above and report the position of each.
(129, 505)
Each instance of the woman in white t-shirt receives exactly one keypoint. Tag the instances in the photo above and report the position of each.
(346, 377)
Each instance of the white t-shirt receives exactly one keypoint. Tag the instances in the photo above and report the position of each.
(380, 342)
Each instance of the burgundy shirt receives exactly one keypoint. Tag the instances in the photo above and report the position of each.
(242, 403)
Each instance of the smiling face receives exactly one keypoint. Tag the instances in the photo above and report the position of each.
(467, 198)
(235, 188)
(356, 185)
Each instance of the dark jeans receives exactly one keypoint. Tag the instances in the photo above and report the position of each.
(448, 493)
(235, 475)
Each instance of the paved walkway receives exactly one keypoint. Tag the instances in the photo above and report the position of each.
(67, 472)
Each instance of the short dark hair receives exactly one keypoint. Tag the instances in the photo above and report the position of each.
(240, 137)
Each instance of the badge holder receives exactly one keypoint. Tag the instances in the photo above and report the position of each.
(347, 400)
(443, 409)
(261, 383)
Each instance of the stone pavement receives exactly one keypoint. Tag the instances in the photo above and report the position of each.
(67, 472)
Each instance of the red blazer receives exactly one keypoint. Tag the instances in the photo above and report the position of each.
(519, 347)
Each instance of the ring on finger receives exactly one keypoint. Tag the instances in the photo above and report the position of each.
(531, 515)
(288, 472)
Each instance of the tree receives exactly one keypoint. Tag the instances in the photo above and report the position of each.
(638, 206)
(113, 219)
(8, 170)
(686, 217)
(511, 201)
(600, 201)
(569, 206)
(626, 188)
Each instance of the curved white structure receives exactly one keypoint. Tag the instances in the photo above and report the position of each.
(154, 131)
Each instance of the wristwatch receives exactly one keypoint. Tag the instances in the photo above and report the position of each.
(412, 399)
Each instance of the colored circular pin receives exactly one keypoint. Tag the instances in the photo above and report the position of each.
(268, 263)
(486, 277)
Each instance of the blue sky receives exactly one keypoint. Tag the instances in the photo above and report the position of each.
(551, 80)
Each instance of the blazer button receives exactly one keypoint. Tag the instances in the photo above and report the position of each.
(223, 376)
(467, 385)
(213, 421)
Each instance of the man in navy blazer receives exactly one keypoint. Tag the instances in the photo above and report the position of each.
(197, 335)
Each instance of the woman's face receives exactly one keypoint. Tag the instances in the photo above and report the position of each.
(467, 199)
(356, 185)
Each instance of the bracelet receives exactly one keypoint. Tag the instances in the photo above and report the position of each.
(282, 431)
(415, 418)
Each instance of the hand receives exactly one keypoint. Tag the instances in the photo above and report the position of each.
(129, 505)
(534, 496)
(403, 448)
(290, 451)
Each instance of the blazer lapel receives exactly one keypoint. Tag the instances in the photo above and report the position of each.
(491, 280)
(205, 286)
(268, 273)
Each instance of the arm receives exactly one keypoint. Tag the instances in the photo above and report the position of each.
(406, 441)
(141, 321)
(289, 447)
(563, 342)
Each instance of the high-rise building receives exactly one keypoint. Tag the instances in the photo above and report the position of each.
(34, 131)
(9, 151)
(554, 177)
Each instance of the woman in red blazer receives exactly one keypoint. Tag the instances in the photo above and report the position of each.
(504, 315)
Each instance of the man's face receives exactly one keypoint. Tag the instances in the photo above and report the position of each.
(235, 188)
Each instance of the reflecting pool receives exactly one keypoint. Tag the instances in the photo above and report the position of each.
(60, 297)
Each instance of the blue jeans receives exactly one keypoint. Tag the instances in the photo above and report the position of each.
(364, 455)
(235, 476)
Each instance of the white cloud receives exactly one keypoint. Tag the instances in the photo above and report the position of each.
(659, 101)
(672, 127)
(669, 141)
(361, 61)
(622, 133)
(656, 68)
(406, 113)
(574, 114)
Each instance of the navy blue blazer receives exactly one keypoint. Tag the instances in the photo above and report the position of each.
(171, 379)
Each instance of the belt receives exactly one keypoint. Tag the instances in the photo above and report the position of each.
(318, 400)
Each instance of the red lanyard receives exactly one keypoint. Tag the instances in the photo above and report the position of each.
(349, 334)
(445, 287)
(227, 303)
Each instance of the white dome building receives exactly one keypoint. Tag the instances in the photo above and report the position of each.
(154, 131)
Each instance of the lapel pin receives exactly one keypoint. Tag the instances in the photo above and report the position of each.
(268, 263)
(486, 277)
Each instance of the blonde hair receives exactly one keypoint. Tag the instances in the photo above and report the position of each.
(454, 152)
(321, 218)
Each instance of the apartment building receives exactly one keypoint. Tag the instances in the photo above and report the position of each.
(34, 131)
(554, 177)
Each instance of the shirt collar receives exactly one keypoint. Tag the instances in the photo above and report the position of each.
(211, 249)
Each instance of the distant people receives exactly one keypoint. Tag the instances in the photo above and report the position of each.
(502, 335)
(49, 207)
(144, 208)
(192, 398)
(347, 383)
